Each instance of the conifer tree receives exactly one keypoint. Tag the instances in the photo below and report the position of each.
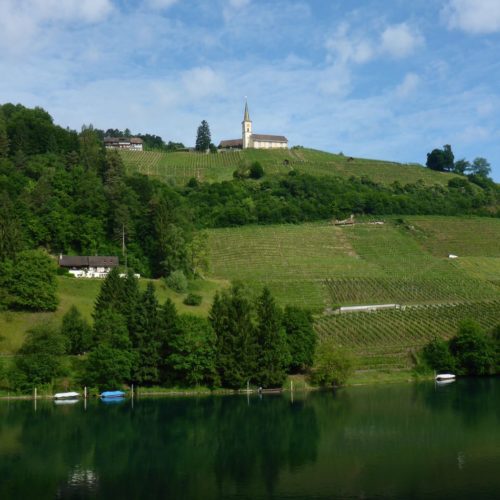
(203, 138)
(145, 338)
(77, 331)
(301, 337)
(168, 329)
(231, 319)
(4, 138)
(111, 293)
(274, 356)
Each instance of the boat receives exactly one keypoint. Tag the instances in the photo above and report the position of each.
(66, 395)
(445, 377)
(112, 394)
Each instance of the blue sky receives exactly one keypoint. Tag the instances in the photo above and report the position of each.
(388, 79)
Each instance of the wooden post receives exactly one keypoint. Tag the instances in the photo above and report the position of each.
(85, 392)
(132, 391)
(35, 393)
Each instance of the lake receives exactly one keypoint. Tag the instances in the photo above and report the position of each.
(393, 441)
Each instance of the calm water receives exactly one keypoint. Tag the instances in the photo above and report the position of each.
(398, 441)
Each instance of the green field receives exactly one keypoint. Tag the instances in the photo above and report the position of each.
(320, 265)
(178, 168)
(82, 293)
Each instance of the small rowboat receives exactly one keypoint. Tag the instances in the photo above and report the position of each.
(445, 377)
(112, 394)
(66, 395)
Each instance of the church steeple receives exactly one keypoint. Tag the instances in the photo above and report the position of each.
(246, 128)
(246, 116)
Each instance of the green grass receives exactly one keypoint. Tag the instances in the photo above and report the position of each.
(178, 168)
(82, 293)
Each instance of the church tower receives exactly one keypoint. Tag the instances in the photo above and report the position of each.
(246, 125)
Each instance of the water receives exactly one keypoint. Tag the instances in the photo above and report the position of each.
(397, 441)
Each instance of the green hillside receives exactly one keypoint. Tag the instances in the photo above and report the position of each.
(180, 167)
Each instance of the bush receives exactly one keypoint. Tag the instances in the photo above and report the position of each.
(177, 282)
(256, 170)
(193, 299)
(332, 365)
(437, 355)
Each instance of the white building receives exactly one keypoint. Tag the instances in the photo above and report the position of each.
(83, 266)
(130, 143)
(251, 140)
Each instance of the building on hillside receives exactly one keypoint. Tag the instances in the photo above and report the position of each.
(130, 143)
(251, 140)
(83, 266)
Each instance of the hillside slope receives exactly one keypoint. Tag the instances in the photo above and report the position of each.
(180, 167)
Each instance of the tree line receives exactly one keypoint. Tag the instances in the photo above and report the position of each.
(135, 340)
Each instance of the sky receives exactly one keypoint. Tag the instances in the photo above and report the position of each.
(385, 79)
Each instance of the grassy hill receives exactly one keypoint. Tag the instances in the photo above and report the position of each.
(321, 266)
(178, 168)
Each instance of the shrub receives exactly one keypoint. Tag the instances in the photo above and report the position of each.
(332, 365)
(192, 299)
(256, 170)
(177, 282)
(437, 355)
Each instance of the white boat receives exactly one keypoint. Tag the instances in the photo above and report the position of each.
(66, 395)
(445, 377)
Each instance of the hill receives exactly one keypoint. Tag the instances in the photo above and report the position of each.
(180, 167)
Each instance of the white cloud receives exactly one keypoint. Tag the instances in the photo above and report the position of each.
(202, 81)
(335, 80)
(345, 47)
(400, 40)
(238, 4)
(161, 4)
(409, 84)
(473, 16)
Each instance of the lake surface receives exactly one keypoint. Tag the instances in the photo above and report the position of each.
(395, 441)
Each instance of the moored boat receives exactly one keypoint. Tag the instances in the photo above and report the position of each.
(445, 377)
(66, 395)
(112, 394)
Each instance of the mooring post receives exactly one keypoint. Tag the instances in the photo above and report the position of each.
(35, 393)
(85, 392)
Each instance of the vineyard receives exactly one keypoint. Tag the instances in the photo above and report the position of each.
(182, 166)
(387, 339)
(320, 265)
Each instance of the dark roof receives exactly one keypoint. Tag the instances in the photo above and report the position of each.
(231, 143)
(136, 140)
(131, 140)
(111, 139)
(88, 261)
(267, 137)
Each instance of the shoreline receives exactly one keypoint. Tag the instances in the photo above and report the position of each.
(357, 380)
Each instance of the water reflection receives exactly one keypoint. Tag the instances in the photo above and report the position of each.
(397, 441)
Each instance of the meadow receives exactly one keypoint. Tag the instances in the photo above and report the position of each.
(178, 168)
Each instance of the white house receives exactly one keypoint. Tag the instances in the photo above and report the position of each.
(251, 140)
(130, 143)
(82, 266)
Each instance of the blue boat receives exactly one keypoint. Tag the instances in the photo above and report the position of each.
(112, 394)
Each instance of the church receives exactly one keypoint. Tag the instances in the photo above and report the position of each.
(251, 140)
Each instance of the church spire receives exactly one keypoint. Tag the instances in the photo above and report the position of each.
(246, 116)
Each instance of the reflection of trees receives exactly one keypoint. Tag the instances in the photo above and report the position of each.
(257, 440)
(184, 448)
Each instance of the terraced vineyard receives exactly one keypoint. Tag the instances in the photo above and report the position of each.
(319, 265)
(180, 167)
(386, 339)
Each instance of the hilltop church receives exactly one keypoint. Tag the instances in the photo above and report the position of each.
(256, 141)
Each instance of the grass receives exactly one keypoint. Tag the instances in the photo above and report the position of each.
(178, 168)
(82, 293)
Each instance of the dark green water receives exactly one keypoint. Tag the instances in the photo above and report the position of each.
(397, 441)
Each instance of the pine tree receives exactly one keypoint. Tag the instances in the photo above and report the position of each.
(231, 319)
(274, 356)
(145, 338)
(168, 329)
(77, 332)
(4, 138)
(301, 337)
(111, 293)
(203, 138)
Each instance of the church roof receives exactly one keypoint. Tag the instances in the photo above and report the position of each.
(269, 138)
(246, 116)
(231, 143)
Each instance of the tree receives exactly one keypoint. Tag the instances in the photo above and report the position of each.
(256, 170)
(145, 338)
(332, 364)
(11, 229)
(32, 283)
(111, 294)
(301, 338)
(167, 329)
(231, 318)
(274, 356)
(77, 331)
(461, 166)
(203, 138)
(92, 153)
(40, 358)
(480, 167)
(198, 254)
(4, 138)
(437, 355)
(472, 349)
(192, 354)
(441, 159)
